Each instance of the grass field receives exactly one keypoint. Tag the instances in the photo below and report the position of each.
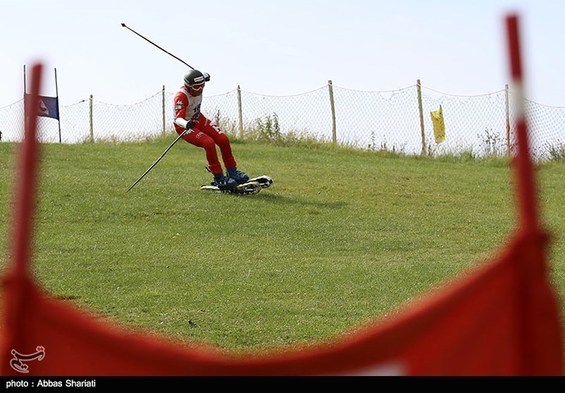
(342, 237)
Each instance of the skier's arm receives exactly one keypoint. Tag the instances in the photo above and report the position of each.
(181, 104)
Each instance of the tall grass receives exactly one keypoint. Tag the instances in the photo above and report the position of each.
(343, 237)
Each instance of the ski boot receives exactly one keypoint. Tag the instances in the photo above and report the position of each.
(224, 183)
(238, 176)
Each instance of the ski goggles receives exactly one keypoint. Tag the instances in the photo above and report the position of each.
(197, 86)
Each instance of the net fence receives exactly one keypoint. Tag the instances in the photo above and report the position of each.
(395, 120)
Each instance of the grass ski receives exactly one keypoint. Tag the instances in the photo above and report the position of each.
(252, 186)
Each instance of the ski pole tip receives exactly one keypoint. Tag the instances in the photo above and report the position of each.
(123, 24)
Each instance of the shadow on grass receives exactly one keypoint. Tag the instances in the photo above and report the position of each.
(286, 200)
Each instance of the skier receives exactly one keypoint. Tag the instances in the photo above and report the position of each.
(204, 133)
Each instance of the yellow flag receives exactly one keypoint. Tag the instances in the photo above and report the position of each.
(439, 125)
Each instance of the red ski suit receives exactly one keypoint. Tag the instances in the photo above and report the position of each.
(204, 133)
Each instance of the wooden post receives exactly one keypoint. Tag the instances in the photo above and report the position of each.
(91, 119)
(508, 143)
(332, 105)
(421, 109)
(163, 109)
(240, 110)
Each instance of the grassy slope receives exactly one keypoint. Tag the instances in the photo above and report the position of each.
(341, 237)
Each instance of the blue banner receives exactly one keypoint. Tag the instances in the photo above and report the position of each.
(48, 107)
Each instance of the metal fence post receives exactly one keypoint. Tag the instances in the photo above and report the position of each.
(57, 95)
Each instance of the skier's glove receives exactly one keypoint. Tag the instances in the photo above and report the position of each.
(206, 76)
(189, 125)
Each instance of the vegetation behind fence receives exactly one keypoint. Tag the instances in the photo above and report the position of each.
(394, 120)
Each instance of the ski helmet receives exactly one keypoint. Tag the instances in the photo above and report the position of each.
(194, 77)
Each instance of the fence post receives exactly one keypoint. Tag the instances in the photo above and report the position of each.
(57, 95)
(332, 105)
(508, 144)
(240, 110)
(91, 109)
(421, 109)
(163, 107)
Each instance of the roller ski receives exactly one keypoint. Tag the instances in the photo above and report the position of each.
(247, 187)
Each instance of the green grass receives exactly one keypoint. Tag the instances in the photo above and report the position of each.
(341, 238)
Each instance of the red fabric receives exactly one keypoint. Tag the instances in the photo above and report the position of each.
(501, 319)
